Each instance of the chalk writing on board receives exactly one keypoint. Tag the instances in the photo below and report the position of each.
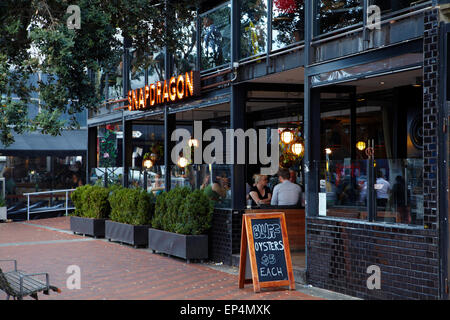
(269, 246)
(267, 260)
(266, 231)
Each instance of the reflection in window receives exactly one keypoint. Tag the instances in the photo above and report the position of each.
(337, 14)
(187, 48)
(137, 70)
(389, 6)
(288, 23)
(115, 81)
(387, 121)
(216, 38)
(253, 27)
(41, 173)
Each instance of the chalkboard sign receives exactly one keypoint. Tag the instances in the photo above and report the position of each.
(264, 235)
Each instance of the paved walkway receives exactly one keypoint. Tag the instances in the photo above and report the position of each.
(114, 271)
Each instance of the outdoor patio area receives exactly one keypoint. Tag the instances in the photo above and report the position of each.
(114, 271)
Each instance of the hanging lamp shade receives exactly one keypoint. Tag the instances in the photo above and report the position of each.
(297, 148)
(182, 162)
(287, 136)
(361, 145)
(148, 163)
(193, 143)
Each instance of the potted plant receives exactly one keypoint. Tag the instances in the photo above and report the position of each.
(131, 214)
(3, 209)
(182, 218)
(91, 210)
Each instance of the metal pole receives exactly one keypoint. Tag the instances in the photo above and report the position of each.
(145, 180)
(67, 202)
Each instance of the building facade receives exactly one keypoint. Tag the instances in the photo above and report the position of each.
(361, 85)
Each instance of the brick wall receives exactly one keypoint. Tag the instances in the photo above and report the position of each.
(430, 117)
(339, 252)
(220, 237)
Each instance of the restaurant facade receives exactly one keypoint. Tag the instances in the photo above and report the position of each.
(357, 91)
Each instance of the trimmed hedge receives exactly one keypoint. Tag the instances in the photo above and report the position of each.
(91, 202)
(183, 211)
(131, 206)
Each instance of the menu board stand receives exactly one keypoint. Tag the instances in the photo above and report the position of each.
(264, 239)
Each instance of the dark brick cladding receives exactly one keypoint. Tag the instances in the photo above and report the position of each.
(339, 252)
(220, 236)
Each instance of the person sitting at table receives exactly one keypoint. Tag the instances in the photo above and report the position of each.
(285, 193)
(259, 192)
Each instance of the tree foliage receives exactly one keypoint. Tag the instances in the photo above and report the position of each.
(35, 39)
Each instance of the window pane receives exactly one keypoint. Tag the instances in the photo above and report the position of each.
(253, 27)
(399, 191)
(288, 25)
(337, 14)
(187, 46)
(343, 188)
(216, 38)
(389, 6)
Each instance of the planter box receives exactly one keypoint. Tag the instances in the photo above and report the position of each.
(88, 226)
(3, 216)
(126, 233)
(178, 245)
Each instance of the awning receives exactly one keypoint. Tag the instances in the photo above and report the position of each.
(69, 143)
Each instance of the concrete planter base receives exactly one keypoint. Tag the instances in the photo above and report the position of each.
(133, 235)
(88, 226)
(182, 246)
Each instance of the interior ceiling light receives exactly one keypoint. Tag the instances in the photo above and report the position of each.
(418, 82)
(361, 145)
(148, 163)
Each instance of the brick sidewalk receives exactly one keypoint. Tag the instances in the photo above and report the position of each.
(114, 271)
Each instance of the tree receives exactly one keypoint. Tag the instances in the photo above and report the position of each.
(34, 39)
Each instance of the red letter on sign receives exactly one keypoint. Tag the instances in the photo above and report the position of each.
(180, 90)
(189, 84)
(158, 92)
(172, 89)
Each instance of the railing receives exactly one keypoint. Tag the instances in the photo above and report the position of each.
(66, 191)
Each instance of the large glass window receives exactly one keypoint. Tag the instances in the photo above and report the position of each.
(186, 52)
(109, 168)
(333, 15)
(288, 25)
(371, 151)
(216, 37)
(253, 28)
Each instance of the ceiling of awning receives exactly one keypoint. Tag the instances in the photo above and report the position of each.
(70, 142)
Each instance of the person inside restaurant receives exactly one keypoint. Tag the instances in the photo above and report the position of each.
(260, 192)
(285, 193)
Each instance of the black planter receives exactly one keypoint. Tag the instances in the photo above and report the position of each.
(183, 246)
(88, 226)
(126, 233)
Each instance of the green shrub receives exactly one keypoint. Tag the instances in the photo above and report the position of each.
(91, 202)
(196, 214)
(2, 202)
(131, 206)
(183, 211)
(174, 201)
(160, 210)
